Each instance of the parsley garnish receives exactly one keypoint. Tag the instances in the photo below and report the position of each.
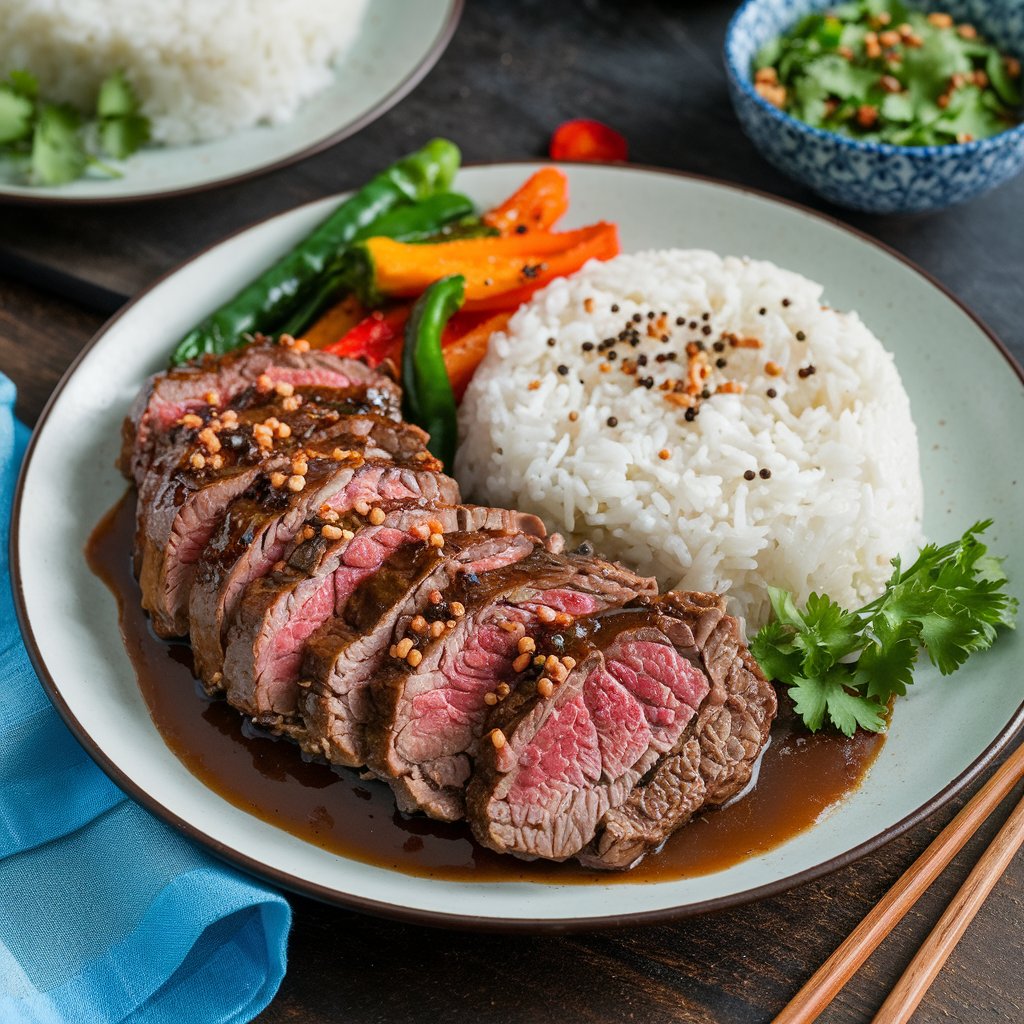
(880, 71)
(52, 144)
(847, 665)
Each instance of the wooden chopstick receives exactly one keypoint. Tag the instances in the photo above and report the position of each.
(837, 970)
(903, 999)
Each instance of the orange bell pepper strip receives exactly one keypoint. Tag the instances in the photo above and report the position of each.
(539, 202)
(492, 267)
(463, 354)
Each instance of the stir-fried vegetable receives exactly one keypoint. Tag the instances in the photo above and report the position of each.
(536, 206)
(880, 71)
(427, 397)
(587, 141)
(304, 274)
(847, 665)
(462, 355)
(499, 272)
(375, 338)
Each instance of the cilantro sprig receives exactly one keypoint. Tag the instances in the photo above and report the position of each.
(53, 144)
(846, 666)
(880, 71)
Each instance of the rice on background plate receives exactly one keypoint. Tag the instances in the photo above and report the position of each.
(593, 443)
(202, 68)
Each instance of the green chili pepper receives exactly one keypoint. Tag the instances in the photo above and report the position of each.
(275, 294)
(429, 219)
(427, 397)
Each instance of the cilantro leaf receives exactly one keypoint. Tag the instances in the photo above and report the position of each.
(24, 83)
(16, 113)
(58, 154)
(122, 136)
(844, 667)
(116, 97)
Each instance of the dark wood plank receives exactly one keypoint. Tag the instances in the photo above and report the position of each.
(739, 966)
(514, 71)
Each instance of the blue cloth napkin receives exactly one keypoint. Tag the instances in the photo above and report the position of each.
(107, 914)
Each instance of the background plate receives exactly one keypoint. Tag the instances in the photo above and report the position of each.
(398, 43)
(966, 396)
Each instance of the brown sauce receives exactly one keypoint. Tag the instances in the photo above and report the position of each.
(800, 775)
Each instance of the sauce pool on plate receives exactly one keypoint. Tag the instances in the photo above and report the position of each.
(800, 777)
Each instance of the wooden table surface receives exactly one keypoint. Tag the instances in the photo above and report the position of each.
(651, 68)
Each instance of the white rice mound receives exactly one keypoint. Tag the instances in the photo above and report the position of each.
(202, 68)
(844, 494)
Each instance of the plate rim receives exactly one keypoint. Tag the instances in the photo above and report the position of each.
(416, 74)
(475, 922)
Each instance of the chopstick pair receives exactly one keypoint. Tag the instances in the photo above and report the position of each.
(898, 1008)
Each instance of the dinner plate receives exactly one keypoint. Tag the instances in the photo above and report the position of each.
(397, 44)
(966, 396)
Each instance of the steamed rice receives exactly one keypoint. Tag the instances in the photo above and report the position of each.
(202, 68)
(668, 496)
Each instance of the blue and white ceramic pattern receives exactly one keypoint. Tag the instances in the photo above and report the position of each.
(876, 177)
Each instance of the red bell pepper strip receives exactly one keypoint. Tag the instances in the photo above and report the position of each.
(541, 200)
(375, 338)
(587, 141)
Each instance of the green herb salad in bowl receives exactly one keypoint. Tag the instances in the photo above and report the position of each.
(881, 105)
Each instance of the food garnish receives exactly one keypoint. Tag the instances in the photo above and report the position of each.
(848, 665)
(53, 141)
(585, 140)
(315, 265)
(427, 397)
(879, 71)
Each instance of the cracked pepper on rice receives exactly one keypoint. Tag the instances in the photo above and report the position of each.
(706, 420)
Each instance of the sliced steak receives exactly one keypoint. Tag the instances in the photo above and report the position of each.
(277, 613)
(181, 504)
(167, 397)
(260, 526)
(429, 719)
(567, 753)
(716, 755)
(347, 652)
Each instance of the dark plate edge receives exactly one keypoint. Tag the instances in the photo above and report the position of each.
(464, 921)
(416, 75)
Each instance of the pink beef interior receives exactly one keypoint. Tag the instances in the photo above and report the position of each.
(165, 413)
(642, 698)
(448, 707)
(279, 662)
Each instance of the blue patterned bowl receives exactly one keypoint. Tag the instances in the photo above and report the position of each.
(876, 177)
